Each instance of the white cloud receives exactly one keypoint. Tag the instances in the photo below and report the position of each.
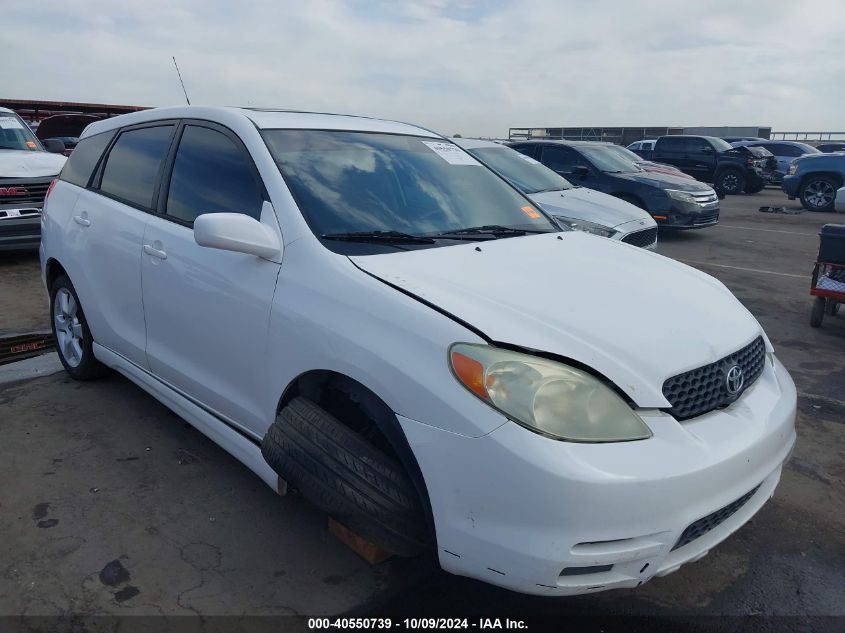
(457, 66)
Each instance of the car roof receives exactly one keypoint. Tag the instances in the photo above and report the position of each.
(262, 119)
(553, 141)
(7, 110)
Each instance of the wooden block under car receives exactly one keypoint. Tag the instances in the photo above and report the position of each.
(370, 552)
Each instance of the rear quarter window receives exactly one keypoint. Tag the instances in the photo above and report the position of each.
(84, 158)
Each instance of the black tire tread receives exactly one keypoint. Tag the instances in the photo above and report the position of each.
(817, 313)
(345, 476)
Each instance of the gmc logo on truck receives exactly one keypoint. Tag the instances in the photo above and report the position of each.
(13, 191)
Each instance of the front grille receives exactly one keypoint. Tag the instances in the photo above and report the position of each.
(701, 390)
(705, 197)
(706, 218)
(704, 525)
(641, 238)
(18, 192)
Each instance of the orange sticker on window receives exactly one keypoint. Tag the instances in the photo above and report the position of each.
(30, 144)
(531, 212)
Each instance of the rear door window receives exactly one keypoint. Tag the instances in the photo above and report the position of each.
(133, 164)
(84, 158)
(669, 144)
(212, 174)
(561, 158)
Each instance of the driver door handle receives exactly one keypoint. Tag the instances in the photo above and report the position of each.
(154, 252)
(82, 220)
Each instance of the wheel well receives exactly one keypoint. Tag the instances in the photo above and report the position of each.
(54, 271)
(361, 410)
(837, 178)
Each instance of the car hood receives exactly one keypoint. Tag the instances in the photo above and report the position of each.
(664, 181)
(19, 163)
(585, 204)
(635, 317)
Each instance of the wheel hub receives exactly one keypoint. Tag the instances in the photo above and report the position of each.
(68, 327)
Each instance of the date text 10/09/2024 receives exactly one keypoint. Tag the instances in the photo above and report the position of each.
(412, 624)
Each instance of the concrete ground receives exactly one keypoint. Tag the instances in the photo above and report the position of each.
(110, 504)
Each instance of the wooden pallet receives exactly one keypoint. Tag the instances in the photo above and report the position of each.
(370, 552)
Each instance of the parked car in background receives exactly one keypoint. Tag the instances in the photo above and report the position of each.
(731, 169)
(359, 308)
(676, 203)
(734, 139)
(578, 208)
(828, 148)
(26, 171)
(65, 127)
(814, 180)
(647, 165)
(647, 144)
(783, 151)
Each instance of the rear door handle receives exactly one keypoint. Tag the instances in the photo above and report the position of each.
(154, 252)
(82, 220)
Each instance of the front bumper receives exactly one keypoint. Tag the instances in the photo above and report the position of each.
(789, 185)
(20, 232)
(516, 509)
(688, 216)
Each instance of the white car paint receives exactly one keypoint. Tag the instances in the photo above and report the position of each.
(219, 335)
(17, 163)
(839, 203)
(578, 203)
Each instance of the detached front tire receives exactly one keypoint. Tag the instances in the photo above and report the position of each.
(343, 474)
(71, 333)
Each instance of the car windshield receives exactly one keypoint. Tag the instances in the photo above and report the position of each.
(15, 134)
(523, 172)
(389, 187)
(721, 145)
(607, 160)
(624, 152)
(807, 149)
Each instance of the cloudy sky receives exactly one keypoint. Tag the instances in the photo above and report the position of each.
(469, 66)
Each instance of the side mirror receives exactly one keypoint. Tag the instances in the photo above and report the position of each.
(54, 145)
(238, 233)
(581, 171)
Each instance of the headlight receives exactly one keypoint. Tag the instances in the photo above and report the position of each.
(587, 227)
(793, 167)
(682, 196)
(546, 397)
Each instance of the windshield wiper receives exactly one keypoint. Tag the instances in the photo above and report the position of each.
(480, 232)
(379, 236)
(549, 189)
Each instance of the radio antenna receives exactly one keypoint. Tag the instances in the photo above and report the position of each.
(180, 80)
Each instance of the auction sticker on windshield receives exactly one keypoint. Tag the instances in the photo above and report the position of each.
(8, 123)
(452, 154)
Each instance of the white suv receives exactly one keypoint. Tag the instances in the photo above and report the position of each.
(358, 308)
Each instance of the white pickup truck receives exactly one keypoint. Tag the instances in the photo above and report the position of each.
(27, 167)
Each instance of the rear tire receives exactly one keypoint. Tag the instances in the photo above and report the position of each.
(347, 477)
(71, 333)
(730, 182)
(832, 307)
(818, 193)
(817, 314)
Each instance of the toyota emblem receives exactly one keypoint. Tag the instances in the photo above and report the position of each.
(734, 380)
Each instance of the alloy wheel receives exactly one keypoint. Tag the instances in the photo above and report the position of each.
(819, 194)
(68, 327)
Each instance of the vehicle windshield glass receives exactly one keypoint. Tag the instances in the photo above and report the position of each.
(624, 152)
(721, 145)
(807, 149)
(15, 134)
(523, 172)
(607, 160)
(360, 182)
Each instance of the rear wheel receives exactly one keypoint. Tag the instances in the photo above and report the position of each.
(818, 193)
(832, 307)
(346, 476)
(71, 333)
(730, 182)
(817, 314)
